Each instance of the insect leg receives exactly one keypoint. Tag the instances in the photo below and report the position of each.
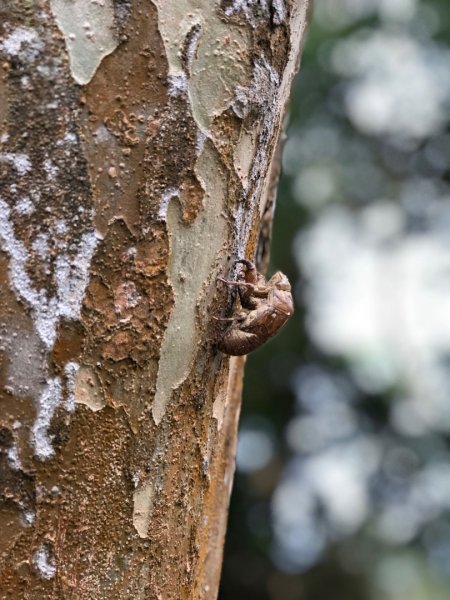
(238, 318)
(242, 283)
(250, 266)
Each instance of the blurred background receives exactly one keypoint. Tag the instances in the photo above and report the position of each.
(342, 489)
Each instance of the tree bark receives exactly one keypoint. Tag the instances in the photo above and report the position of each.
(137, 144)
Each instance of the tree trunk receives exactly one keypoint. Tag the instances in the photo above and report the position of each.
(137, 146)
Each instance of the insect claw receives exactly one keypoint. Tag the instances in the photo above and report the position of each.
(223, 318)
(250, 266)
(228, 282)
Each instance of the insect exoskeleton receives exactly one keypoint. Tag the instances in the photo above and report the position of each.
(265, 308)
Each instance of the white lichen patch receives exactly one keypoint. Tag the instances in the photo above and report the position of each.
(29, 517)
(191, 49)
(46, 406)
(23, 43)
(70, 138)
(279, 11)
(44, 562)
(70, 372)
(18, 255)
(88, 29)
(13, 458)
(142, 507)
(178, 84)
(24, 206)
(193, 249)
(61, 227)
(200, 142)
(20, 162)
(71, 277)
(41, 246)
(164, 204)
(50, 168)
(258, 9)
(250, 8)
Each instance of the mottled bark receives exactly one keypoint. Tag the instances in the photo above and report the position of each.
(137, 142)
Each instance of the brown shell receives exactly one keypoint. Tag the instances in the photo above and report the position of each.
(261, 323)
(238, 343)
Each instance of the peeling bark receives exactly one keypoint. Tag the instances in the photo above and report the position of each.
(137, 157)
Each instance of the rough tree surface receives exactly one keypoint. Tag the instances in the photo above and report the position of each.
(137, 144)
